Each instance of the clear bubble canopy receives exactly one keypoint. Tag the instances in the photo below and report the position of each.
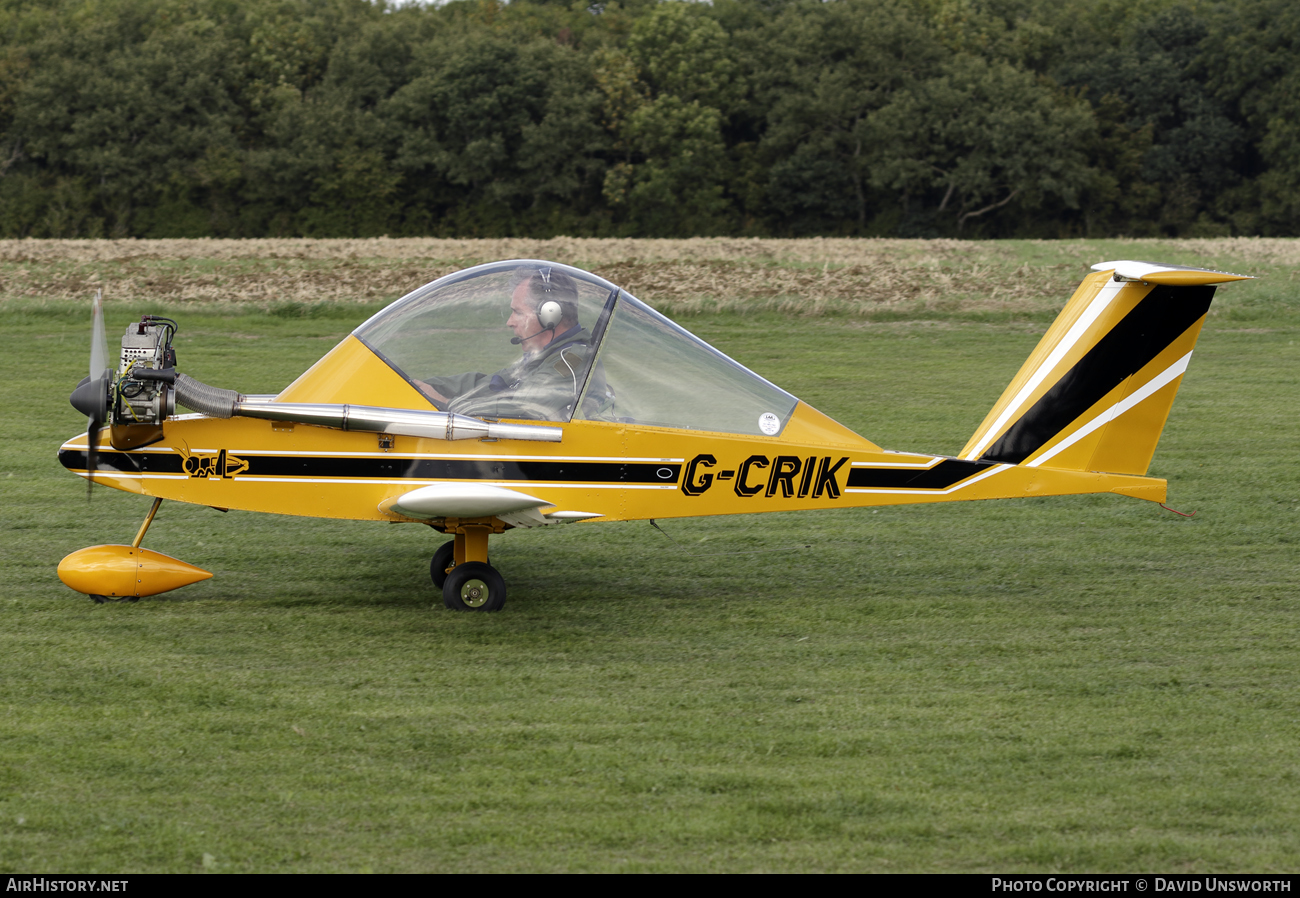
(539, 341)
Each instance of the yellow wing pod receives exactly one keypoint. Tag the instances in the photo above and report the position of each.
(119, 571)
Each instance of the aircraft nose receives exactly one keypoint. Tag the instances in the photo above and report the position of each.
(91, 397)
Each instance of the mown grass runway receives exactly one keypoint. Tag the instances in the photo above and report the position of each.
(1062, 684)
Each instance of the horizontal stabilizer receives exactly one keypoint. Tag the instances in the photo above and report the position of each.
(1168, 275)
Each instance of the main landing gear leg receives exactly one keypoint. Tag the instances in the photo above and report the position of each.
(447, 557)
(148, 519)
(469, 583)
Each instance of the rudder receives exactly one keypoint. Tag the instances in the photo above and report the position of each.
(1096, 391)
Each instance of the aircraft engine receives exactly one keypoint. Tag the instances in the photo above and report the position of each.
(146, 348)
(137, 396)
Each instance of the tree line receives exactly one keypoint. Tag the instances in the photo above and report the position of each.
(647, 118)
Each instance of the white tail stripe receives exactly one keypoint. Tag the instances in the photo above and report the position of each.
(898, 464)
(1076, 332)
(1160, 380)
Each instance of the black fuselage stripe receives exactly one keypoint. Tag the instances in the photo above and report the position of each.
(392, 468)
(948, 472)
(1157, 321)
(943, 475)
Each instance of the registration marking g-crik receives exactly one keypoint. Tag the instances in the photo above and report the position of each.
(791, 476)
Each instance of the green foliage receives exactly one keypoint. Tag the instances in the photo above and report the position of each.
(663, 101)
(981, 135)
(1194, 149)
(1256, 63)
(649, 117)
(492, 127)
(834, 65)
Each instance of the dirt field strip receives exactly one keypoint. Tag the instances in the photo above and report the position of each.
(802, 277)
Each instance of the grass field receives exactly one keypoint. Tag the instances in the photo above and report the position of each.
(1082, 684)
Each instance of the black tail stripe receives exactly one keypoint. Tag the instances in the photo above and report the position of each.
(948, 472)
(393, 467)
(1158, 320)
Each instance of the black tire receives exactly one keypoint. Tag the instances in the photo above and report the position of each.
(474, 586)
(442, 562)
(443, 559)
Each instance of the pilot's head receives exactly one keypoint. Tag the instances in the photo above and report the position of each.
(543, 303)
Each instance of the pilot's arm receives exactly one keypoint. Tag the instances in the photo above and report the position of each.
(442, 390)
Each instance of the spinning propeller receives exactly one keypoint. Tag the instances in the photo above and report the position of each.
(91, 395)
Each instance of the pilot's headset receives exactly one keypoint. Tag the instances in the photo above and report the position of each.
(549, 312)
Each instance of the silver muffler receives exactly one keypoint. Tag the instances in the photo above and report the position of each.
(218, 403)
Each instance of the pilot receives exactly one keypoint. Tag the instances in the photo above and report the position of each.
(544, 383)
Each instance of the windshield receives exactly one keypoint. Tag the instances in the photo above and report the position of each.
(540, 341)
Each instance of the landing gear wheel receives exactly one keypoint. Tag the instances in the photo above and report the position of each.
(443, 559)
(442, 562)
(474, 586)
(98, 599)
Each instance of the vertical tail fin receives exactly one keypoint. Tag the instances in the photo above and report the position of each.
(1095, 393)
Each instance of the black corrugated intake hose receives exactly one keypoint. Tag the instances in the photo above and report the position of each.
(211, 401)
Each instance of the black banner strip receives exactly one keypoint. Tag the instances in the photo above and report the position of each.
(391, 467)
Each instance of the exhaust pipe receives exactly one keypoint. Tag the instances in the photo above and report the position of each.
(218, 403)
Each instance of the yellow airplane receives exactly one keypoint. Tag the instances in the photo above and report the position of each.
(597, 409)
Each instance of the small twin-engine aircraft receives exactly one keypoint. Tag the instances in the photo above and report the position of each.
(597, 409)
